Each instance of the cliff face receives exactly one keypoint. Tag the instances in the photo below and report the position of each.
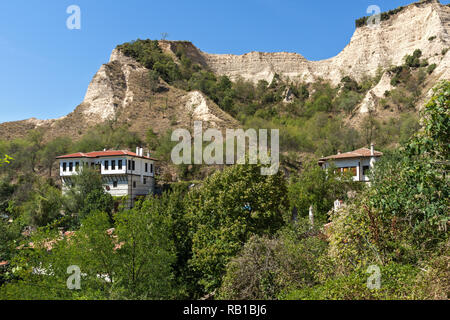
(121, 90)
(368, 49)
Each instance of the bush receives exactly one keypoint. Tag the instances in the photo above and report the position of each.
(226, 211)
(413, 61)
(348, 101)
(265, 268)
(361, 22)
(397, 282)
(433, 282)
(431, 68)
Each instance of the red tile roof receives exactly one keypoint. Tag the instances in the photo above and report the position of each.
(99, 154)
(360, 153)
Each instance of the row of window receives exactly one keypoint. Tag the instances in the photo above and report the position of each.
(134, 183)
(68, 183)
(70, 167)
(131, 166)
(354, 170)
(113, 165)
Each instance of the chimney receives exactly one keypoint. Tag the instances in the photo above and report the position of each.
(137, 151)
(372, 149)
(141, 152)
(339, 151)
(148, 154)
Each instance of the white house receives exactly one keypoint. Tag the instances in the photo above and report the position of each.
(124, 173)
(360, 162)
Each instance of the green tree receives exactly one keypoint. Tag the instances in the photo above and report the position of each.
(172, 206)
(403, 217)
(226, 211)
(41, 269)
(411, 186)
(35, 139)
(97, 200)
(319, 188)
(44, 205)
(153, 78)
(132, 261)
(57, 147)
(146, 253)
(432, 140)
(86, 194)
(152, 139)
(267, 267)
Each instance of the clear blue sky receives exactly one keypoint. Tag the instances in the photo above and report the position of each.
(46, 68)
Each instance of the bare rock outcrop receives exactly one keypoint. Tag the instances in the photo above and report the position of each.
(121, 89)
(369, 49)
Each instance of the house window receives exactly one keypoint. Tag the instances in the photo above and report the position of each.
(366, 170)
(133, 165)
(151, 168)
(77, 166)
(120, 164)
(351, 169)
(70, 166)
(106, 165)
(146, 167)
(113, 165)
(129, 165)
(134, 184)
(115, 184)
(145, 181)
(64, 166)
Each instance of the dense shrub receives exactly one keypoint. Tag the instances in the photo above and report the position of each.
(431, 68)
(265, 268)
(384, 17)
(397, 284)
(226, 211)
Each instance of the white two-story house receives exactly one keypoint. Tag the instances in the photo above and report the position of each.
(124, 173)
(359, 162)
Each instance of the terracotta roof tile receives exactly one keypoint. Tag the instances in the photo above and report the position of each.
(360, 153)
(99, 154)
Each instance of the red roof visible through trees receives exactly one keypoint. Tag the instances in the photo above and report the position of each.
(360, 153)
(100, 154)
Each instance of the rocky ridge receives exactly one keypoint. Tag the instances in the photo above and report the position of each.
(120, 90)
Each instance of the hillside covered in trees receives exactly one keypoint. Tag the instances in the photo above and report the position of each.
(234, 235)
(226, 232)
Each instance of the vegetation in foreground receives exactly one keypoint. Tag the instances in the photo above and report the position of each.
(234, 236)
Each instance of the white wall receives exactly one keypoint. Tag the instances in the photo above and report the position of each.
(67, 161)
(359, 163)
(124, 177)
(116, 170)
(139, 166)
(124, 185)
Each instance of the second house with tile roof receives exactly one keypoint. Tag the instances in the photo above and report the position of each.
(359, 162)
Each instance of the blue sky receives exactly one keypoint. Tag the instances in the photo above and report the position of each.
(46, 68)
